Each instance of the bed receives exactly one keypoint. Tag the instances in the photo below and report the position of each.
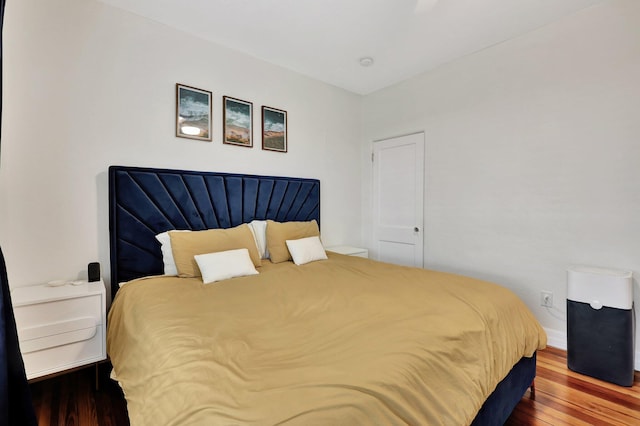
(344, 340)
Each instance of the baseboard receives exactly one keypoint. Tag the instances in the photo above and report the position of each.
(558, 339)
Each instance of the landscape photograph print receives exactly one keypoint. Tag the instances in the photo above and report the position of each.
(237, 122)
(274, 129)
(193, 113)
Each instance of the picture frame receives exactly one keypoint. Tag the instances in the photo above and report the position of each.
(274, 129)
(193, 113)
(237, 122)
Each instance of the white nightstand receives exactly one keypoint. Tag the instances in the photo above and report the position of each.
(60, 328)
(350, 251)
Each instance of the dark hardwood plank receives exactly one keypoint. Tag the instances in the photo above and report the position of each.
(71, 399)
(563, 397)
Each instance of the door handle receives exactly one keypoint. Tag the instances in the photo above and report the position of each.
(416, 229)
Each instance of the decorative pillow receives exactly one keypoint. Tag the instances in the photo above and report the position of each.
(185, 245)
(167, 254)
(259, 229)
(225, 264)
(306, 250)
(279, 232)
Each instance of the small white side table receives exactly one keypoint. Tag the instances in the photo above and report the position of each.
(350, 251)
(60, 328)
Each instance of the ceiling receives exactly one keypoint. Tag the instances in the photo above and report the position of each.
(324, 39)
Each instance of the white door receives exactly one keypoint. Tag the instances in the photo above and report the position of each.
(398, 199)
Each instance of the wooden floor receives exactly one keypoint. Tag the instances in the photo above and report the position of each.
(562, 398)
(72, 399)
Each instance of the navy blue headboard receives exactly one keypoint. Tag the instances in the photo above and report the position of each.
(144, 202)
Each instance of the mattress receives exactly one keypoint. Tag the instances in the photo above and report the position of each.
(341, 341)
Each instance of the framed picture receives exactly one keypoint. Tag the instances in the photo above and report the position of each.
(274, 129)
(193, 113)
(237, 118)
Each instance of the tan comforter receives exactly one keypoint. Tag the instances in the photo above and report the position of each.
(344, 341)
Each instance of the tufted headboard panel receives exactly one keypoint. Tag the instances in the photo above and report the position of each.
(144, 202)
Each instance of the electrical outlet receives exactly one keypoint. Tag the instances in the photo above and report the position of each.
(546, 299)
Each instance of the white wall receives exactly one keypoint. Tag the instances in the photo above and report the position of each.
(87, 86)
(532, 155)
(531, 145)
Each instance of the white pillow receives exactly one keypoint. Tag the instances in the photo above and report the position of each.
(223, 265)
(167, 253)
(259, 229)
(306, 250)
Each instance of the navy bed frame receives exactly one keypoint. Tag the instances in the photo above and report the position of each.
(144, 202)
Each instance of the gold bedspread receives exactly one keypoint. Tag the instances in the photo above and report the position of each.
(344, 341)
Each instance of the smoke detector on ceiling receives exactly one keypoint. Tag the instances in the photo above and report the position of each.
(366, 61)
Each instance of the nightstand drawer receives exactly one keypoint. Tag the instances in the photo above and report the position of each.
(60, 327)
(73, 349)
(38, 314)
(46, 336)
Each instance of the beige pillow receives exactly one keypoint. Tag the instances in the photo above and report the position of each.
(279, 232)
(186, 245)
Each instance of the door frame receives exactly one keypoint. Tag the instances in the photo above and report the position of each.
(419, 192)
